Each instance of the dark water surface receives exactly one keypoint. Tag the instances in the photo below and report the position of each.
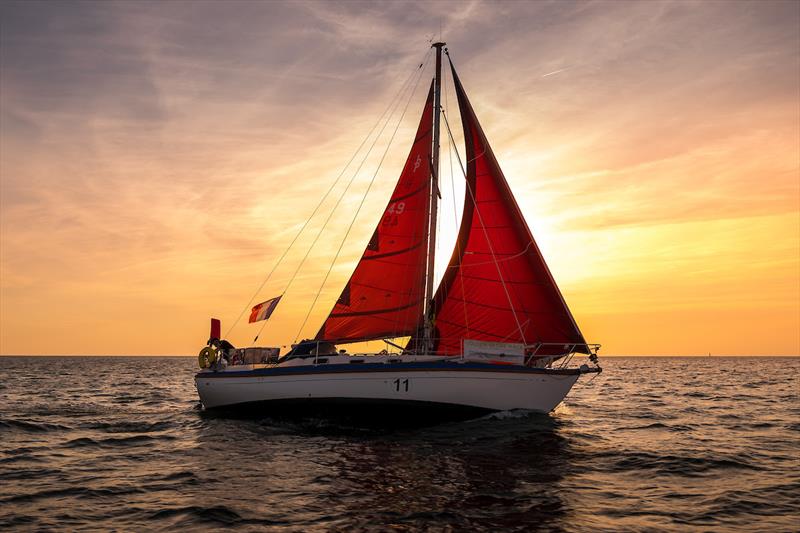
(652, 444)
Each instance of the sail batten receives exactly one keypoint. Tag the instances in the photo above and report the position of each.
(376, 312)
(385, 295)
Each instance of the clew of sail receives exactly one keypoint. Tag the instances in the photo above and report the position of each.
(497, 286)
(385, 294)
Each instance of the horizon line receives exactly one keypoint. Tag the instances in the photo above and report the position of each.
(602, 356)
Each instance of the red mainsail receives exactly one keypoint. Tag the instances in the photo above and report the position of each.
(497, 286)
(384, 297)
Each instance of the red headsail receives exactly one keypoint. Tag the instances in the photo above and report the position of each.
(497, 286)
(385, 295)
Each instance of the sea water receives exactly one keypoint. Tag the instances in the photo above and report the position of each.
(120, 443)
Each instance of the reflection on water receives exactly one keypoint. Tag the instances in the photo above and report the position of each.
(461, 474)
(652, 443)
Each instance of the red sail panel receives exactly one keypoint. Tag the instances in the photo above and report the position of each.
(385, 295)
(497, 286)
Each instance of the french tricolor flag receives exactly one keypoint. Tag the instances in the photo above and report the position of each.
(263, 310)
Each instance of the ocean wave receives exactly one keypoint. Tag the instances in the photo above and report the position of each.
(23, 458)
(17, 521)
(32, 426)
(512, 414)
(77, 492)
(676, 464)
(114, 441)
(657, 425)
(128, 426)
(28, 473)
(195, 515)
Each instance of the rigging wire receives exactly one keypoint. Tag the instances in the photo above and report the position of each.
(391, 105)
(360, 205)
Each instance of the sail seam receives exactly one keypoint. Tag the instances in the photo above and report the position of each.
(476, 330)
(498, 307)
(410, 194)
(514, 282)
(376, 311)
(390, 254)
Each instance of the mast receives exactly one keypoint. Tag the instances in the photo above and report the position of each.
(437, 109)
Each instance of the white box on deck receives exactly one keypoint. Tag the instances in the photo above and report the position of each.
(494, 352)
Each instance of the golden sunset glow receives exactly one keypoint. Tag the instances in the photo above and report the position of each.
(157, 159)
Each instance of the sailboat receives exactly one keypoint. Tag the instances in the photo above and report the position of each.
(495, 335)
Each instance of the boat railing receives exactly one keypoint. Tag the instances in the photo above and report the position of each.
(565, 353)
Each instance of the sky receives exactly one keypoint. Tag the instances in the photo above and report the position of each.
(157, 158)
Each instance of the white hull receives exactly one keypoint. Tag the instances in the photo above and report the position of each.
(483, 387)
